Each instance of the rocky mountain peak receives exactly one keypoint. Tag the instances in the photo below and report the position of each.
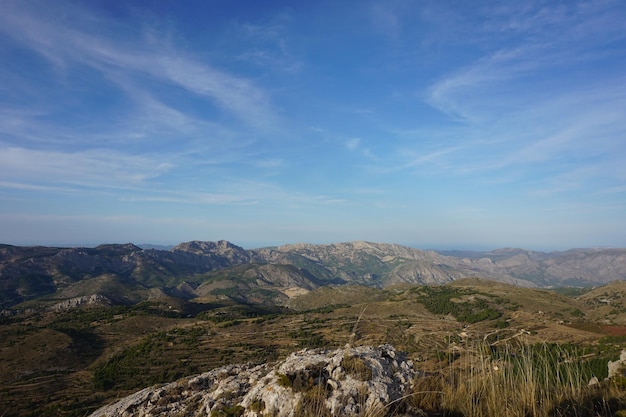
(342, 382)
(118, 249)
(204, 247)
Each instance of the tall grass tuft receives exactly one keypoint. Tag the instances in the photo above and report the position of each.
(544, 380)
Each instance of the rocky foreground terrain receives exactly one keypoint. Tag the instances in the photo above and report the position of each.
(73, 358)
(127, 274)
(362, 381)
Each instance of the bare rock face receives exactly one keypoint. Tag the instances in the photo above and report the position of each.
(221, 250)
(343, 382)
(94, 299)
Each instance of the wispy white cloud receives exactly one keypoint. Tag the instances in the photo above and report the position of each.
(35, 187)
(89, 168)
(149, 136)
(544, 40)
(459, 95)
(526, 110)
(437, 157)
(235, 94)
(152, 118)
(268, 44)
(353, 144)
(235, 192)
(570, 144)
(173, 197)
(579, 22)
(67, 46)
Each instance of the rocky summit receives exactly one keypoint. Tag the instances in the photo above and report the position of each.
(361, 381)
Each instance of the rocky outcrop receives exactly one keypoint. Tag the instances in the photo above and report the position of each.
(95, 299)
(222, 251)
(343, 382)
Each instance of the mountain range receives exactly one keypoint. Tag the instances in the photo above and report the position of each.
(208, 271)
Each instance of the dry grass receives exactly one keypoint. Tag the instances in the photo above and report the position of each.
(517, 381)
(45, 366)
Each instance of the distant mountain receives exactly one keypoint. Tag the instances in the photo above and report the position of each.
(574, 267)
(152, 246)
(221, 270)
(123, 273)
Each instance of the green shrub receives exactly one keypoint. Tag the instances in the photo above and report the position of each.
(283, 380)
(234, 411)
(257, 406)
(501, 324)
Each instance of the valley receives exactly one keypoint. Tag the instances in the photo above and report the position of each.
(68, 362)
(108, 321)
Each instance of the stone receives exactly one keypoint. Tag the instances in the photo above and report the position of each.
(618, 367)
(307, 378)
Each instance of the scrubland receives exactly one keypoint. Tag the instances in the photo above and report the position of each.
(482, 348)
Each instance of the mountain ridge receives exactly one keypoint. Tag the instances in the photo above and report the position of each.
(222, 269)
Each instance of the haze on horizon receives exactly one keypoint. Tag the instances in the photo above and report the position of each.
(435, 124)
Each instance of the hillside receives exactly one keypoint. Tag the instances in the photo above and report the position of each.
(70, 361)
(127, 274)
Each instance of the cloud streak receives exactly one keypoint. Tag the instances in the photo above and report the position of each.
(86, 168)
(353, 117)
(65, 47)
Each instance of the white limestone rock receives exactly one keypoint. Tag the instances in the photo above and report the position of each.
(340, 382)
(618, 367)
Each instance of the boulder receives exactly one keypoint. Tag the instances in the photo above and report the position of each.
(372, 381)
(618, 367)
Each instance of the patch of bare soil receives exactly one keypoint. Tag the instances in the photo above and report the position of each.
(615, 330)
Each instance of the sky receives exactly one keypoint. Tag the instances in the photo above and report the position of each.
(434, 124)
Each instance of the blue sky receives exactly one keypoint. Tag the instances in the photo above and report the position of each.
(436, 124)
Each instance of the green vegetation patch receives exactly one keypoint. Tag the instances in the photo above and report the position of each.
(465, 305)
(234, 411)
(307, 338)
(243, 312)
(571, 291)
(146, 363)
